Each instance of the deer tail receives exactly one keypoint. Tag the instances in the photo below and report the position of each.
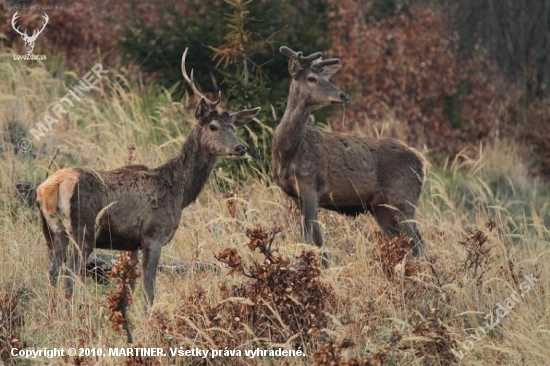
(47, 194)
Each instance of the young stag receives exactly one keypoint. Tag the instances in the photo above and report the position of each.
(134, 207)
(344, 173)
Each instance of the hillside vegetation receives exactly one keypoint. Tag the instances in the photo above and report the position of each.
(463, 81)
(444, 74)
(484, 220)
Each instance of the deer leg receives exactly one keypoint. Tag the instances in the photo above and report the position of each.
(50, 239)
(58, 255)
(408, 228)
(151, 258)
(85, 241)
(57, 242)
(387, 219)
(411, 230)
(395, 221)
(133, 280)
(312, 230)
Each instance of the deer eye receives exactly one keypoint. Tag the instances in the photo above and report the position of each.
(213, 127)
(311, 79)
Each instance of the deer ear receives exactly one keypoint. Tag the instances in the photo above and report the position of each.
(202, 111)
(294, 66)
(243, 117)
(329, 70)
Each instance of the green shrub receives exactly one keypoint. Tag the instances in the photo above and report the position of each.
(233, 47)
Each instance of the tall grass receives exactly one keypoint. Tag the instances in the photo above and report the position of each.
(412, 318)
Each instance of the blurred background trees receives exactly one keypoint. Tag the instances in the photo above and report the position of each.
(444, 74)
(516, 33)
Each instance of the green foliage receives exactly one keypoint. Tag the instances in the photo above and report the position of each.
(242, 39)
(453, 103)
(246, 87)
(158, 48)
(387, 8)
(205, 25)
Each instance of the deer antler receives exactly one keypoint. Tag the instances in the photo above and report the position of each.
(191, 82)
(15, 16)
(288, 52)
(327, 62)
(304, 60)
(307, 60)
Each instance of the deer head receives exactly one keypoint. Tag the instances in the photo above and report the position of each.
(29, 40)
(311, 78)
(218, 129)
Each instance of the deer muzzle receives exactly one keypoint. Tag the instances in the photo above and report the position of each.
(240, 150)
(344, 97)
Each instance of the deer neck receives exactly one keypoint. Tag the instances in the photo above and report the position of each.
(292, 129)
(187, 173)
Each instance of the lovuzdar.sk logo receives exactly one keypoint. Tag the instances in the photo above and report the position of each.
(29, 40)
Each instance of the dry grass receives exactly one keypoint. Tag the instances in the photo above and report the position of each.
(486, 225)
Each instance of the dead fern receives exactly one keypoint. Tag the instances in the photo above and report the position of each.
(478, 252)
(232, 199)
(435, 342)
(332, 353)
(277, 301)
(120, 299)
(11, 321)
(392, 254)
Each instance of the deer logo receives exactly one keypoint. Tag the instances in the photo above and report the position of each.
(29, 40)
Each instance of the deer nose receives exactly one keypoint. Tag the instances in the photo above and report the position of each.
(240, 150)
(344, 96)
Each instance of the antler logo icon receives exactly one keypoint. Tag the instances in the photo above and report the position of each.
(29, 40)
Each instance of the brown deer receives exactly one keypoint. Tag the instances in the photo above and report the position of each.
(134, 207)
(344, 173)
